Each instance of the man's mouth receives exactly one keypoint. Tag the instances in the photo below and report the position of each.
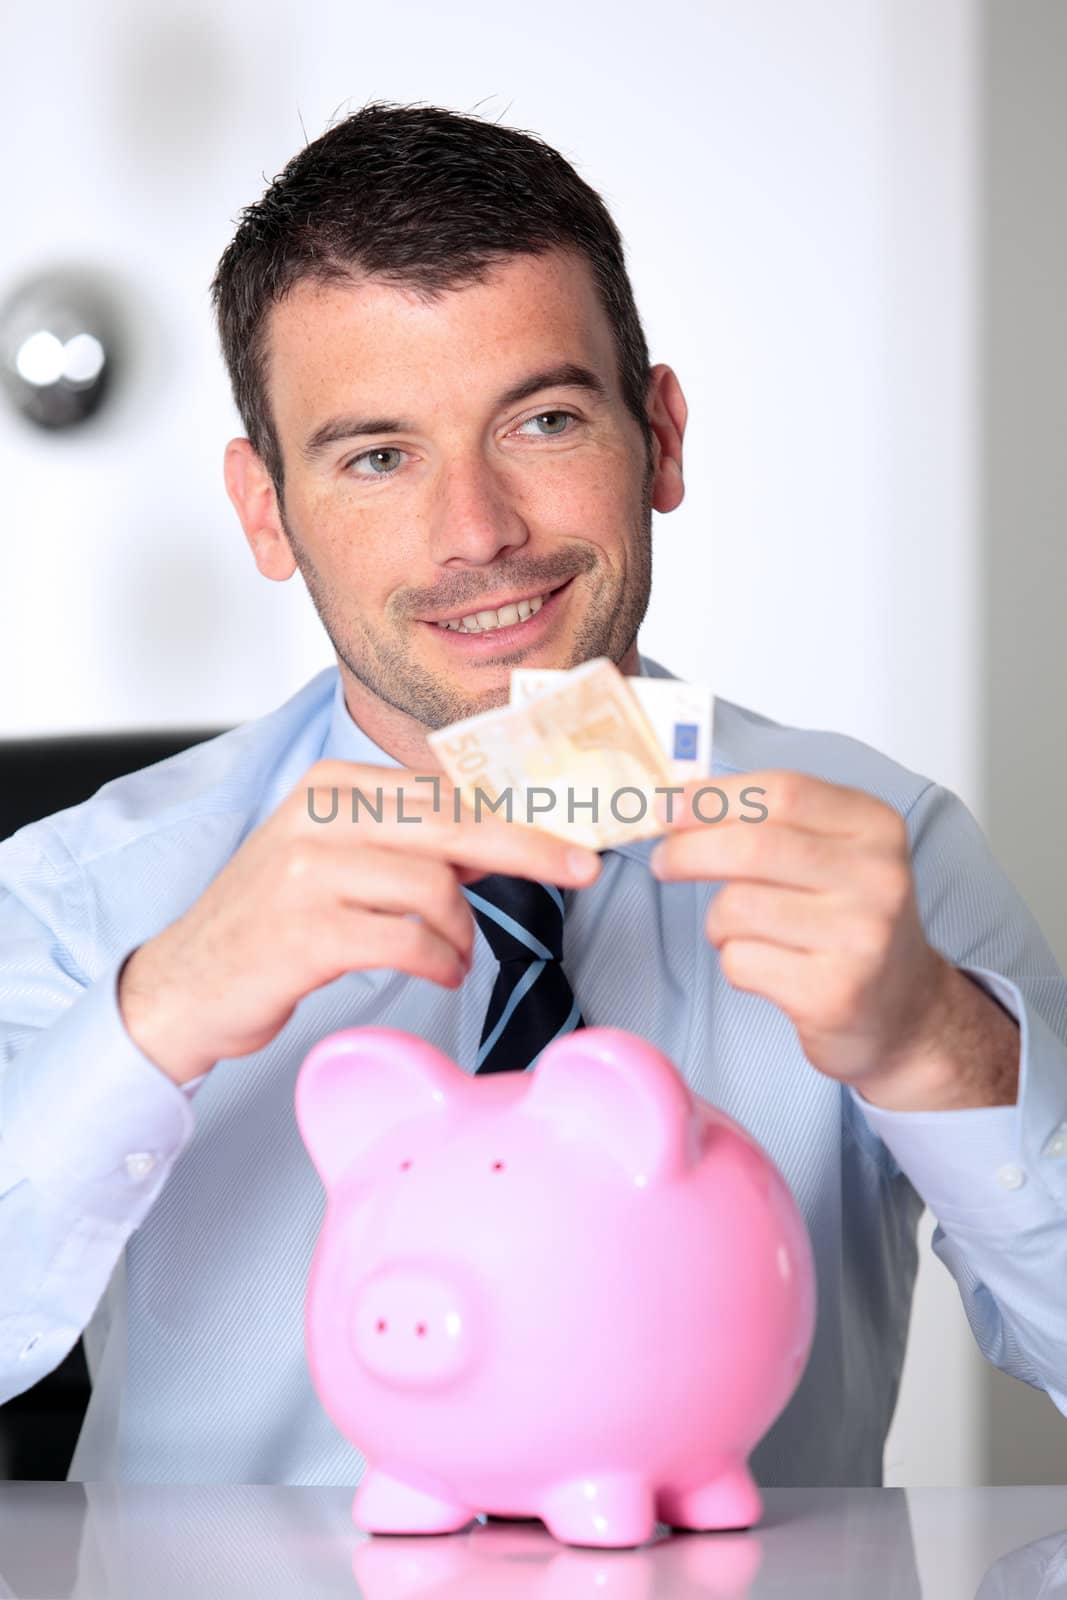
(507, 614)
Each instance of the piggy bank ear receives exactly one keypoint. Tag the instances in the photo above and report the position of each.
(608, 1088)
(357, 1084)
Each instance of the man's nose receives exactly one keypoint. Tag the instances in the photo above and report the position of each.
(475, 516)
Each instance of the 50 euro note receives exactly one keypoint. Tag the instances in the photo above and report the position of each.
(680, 715)
(580, 760)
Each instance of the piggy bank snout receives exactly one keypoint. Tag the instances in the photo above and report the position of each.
(411, 1326)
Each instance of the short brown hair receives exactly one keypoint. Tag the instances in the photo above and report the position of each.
(424, 198)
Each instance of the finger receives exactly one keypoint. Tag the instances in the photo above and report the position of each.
(364, 940)
(385, 880)
(468, 874)
(427, 821)
(798, 919)
(781, 854)
(778, 974)
(749, 799)
(516, 848)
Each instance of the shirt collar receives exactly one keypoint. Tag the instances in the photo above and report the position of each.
(346, 741)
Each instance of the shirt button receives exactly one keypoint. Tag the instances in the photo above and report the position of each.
(1011, 1177)
(140, 1165)
(1057, 1145)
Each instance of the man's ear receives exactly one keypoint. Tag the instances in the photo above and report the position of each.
(249, 486)
(667, 414)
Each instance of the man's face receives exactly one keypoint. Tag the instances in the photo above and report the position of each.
(456, 499)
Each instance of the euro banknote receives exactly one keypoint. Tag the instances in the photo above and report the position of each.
(680, 715)
(580, 757)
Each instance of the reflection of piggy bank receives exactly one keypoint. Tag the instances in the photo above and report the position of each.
(517, 1561)
(579, 1293)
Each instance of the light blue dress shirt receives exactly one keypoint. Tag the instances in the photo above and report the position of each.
(176, 1226)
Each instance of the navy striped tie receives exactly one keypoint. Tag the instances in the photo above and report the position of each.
(532, 1002)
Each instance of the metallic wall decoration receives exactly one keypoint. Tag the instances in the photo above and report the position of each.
(60, 339)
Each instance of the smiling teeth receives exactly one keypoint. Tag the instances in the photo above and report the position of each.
(505, 617)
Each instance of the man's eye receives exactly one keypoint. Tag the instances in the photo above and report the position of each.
(552, 416)
(379, 465)
(378, 470)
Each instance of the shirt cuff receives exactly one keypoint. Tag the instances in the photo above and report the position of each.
(86, 1115)
(994, 1168)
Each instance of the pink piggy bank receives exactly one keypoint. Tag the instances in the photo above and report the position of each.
(579, 1293)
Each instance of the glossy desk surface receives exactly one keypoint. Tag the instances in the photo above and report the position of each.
(99, 1540)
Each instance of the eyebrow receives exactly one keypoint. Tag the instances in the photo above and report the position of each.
(567, 375)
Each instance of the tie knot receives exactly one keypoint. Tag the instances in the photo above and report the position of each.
(521, 919)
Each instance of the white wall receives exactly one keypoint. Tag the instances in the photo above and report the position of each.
(796, 184)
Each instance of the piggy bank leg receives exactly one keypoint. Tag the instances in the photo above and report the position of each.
(731, 1500)
(611, 1510)
(388, 1505)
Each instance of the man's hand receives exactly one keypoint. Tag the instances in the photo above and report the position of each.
(818, 914)
(303, 901)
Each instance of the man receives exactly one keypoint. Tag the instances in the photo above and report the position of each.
(454, 434)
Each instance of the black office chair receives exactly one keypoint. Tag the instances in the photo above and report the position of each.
(38, 776)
